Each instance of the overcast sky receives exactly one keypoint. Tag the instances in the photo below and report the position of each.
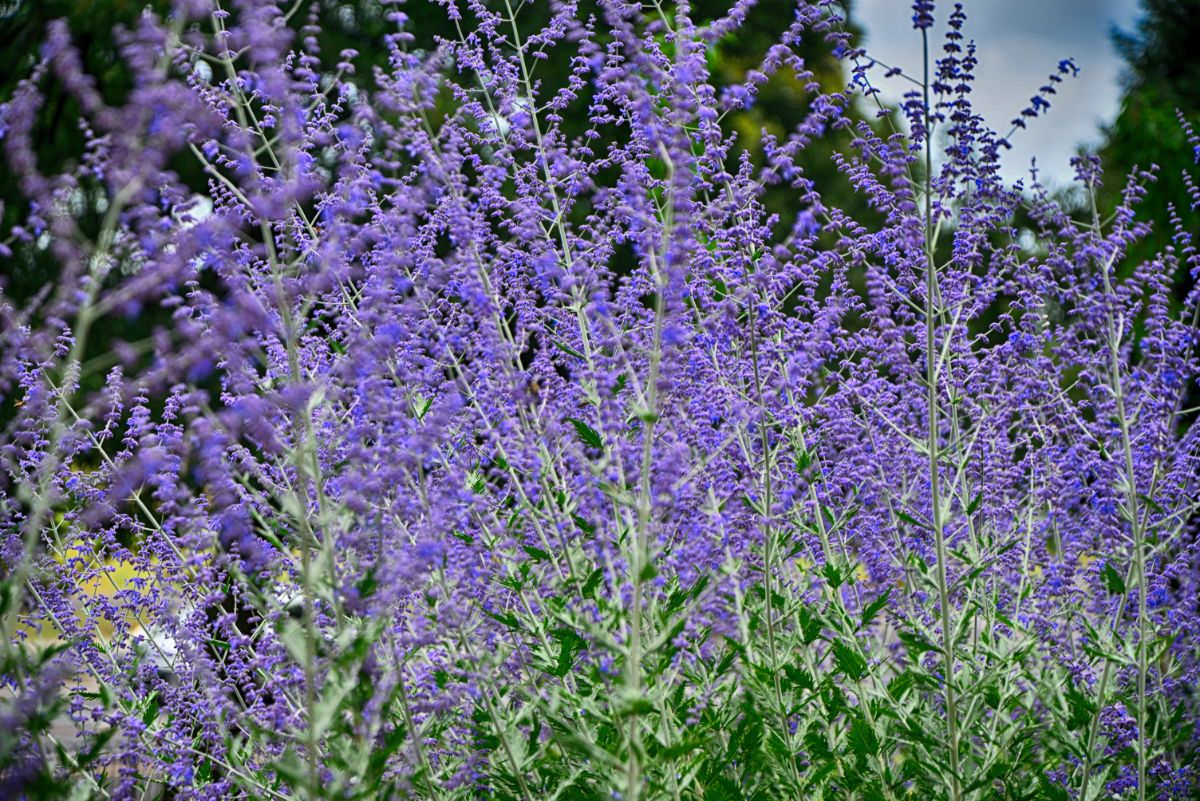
(1020, 42)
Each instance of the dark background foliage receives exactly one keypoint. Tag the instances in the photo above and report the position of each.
(1162, 80)
(360, 25)
(1160, 84)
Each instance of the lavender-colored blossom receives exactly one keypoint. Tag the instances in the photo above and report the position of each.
(495, 430)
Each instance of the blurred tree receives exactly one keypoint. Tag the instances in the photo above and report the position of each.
(782, 104)
(361, 25)
(1161, 79)
(59, 141)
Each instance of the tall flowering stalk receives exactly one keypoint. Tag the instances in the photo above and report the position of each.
(496, 432)
(933, 314)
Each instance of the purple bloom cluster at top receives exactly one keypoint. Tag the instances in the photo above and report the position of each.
(515, 371)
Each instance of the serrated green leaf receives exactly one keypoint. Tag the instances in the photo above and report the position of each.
(569, 644)
(798, 678)
(862, 738)
(587, 435)
(915, 643)
(152, 707)
(537, 554)
(810, 625)
(873, 608)
(833, 575)
(1082, 708)
(848, 660)
(899, 686)
(912, 521)
(591, 583)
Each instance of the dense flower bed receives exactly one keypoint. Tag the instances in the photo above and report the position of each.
(495, 440)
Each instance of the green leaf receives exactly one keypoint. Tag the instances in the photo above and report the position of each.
(1113, 580)
(912, 521)
(872, 792)
(674, 601)
(862, 739)
(152, 707)
(537, 554)
(798, 678)
(1154, 505)
(833, 575)
(50, 651)
(592, 582)
(814, 743)
(635, 705)
(810, 625)
(1082, 709)
(873, 608)
(682, 748)
(779, 748)
(1052, 790)
(96, 747)
(421, 407)
(331, 702)
(901, 684)
(587, 435)
(848, 660)
(565, 348)
(570, 644)
(507, 619)
(722, 788)
(726, 662)
(915, 643)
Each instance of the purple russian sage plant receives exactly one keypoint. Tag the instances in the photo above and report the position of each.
(493, 439)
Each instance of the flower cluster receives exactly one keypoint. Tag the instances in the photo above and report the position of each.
(492, 437)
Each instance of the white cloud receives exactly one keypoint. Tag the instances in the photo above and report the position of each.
(1020, 42)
